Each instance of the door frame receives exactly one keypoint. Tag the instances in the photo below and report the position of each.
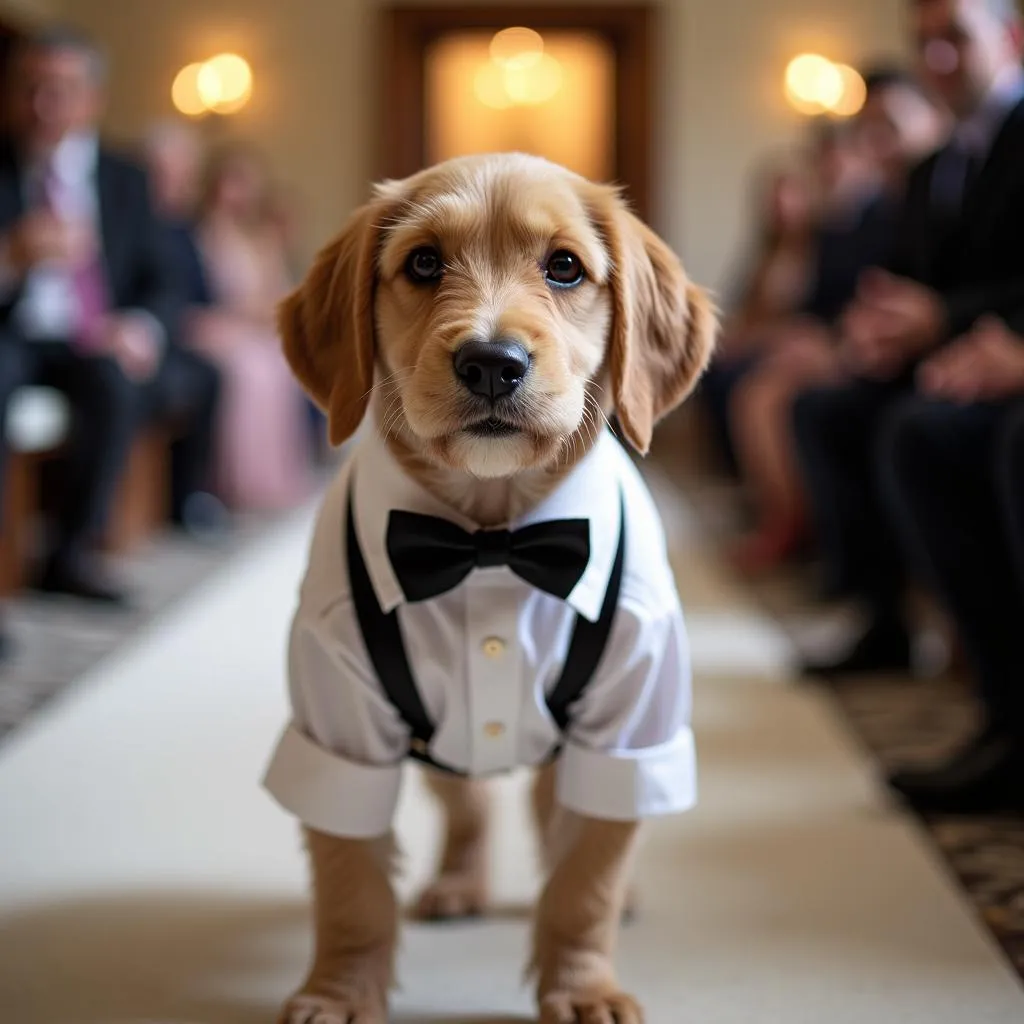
(406, 32)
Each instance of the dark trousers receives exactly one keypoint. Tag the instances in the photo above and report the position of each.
(839, 432)
(104, 405)
(953, 478)
(108, 412)
(715, 392)
(185, 395)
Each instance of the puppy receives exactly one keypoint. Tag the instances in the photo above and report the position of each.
(488, 584)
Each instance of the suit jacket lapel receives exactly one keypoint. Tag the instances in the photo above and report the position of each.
(106, 193)
(1000, 157)
(12, 193)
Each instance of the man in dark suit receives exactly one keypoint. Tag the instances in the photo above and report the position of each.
(952, 476)
(959, 258)
(89, 300)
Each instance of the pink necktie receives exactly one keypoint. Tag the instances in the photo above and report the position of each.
(88, 279)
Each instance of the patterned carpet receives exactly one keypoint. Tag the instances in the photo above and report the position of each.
(910, 722)
(899, 721)
(56, 640)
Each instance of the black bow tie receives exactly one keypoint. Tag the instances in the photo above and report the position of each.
(431, 556)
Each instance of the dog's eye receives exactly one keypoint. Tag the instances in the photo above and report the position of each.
(424, 265)
(564, 269)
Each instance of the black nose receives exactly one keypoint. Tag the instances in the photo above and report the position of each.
(492, 368)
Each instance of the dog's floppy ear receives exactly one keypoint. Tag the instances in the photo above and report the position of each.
(663, 327)
(327, 326)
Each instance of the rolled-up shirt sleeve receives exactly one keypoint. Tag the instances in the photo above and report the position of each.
(629, 752)
(337, 767)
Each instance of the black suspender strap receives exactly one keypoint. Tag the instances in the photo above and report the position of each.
(383, 638)
(588, 642)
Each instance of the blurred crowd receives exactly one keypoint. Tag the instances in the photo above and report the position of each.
(869, 389)
(144, 290)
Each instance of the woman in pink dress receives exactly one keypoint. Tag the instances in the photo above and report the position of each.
(264, 457)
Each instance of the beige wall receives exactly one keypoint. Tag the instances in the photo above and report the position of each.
(575, 127)
(719, 92)
(29, 11)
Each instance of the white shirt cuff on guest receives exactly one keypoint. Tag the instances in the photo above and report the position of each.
(329, 793)
(631, 784)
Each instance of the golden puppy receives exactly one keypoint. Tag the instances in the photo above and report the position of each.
(490, 313)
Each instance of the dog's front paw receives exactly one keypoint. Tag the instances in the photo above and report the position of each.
(451, 897)
(590, 1008)
(345, 1009)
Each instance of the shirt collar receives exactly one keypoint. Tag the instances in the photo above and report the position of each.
(590, 491)
(73, 161)
(977, 133)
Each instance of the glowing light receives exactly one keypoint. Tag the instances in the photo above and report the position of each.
(185, 91)
(489, 84)
(536, 84)
(519, 72)
(854, 92)
(225, 83)
(517, 48)
(813, 83)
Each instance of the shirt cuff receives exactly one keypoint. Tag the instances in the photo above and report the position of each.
(329, 793)
(630, 784)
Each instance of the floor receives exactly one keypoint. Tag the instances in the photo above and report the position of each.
(144, 876)
(56, 640)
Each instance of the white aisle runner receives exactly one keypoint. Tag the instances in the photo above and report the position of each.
(144, 876)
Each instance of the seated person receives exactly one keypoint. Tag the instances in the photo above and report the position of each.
(952, 473)
(776, 284)
(803, 259)
(264, 458)
(896, 128)
(88, 301)
(189, 388)
(958, 258)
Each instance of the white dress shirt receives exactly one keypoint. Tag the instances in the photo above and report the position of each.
(46, 308)
(977, 133)
(484, 656)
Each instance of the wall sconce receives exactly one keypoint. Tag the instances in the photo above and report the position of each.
(519, 72)
(817, 85)
(220, 85)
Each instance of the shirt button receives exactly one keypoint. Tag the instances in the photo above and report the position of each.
(494, 729)
(494, 647)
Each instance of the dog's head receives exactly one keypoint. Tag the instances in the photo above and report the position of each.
(502, 303)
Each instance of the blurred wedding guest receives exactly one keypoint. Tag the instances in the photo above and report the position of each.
(174, 154)
(774, 284)
(264, 457)
(88, 303)
(953, 474)
(284, 212)
(897, 127)
(959, 257)
(189, 386)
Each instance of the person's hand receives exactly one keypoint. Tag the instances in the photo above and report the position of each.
(42, 237)
(892, 321)
(806, 350)
(984, 365)
(130, 340)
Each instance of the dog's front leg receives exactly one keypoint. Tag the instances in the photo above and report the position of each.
(356, 917)
(577, 923)
(460, 888)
